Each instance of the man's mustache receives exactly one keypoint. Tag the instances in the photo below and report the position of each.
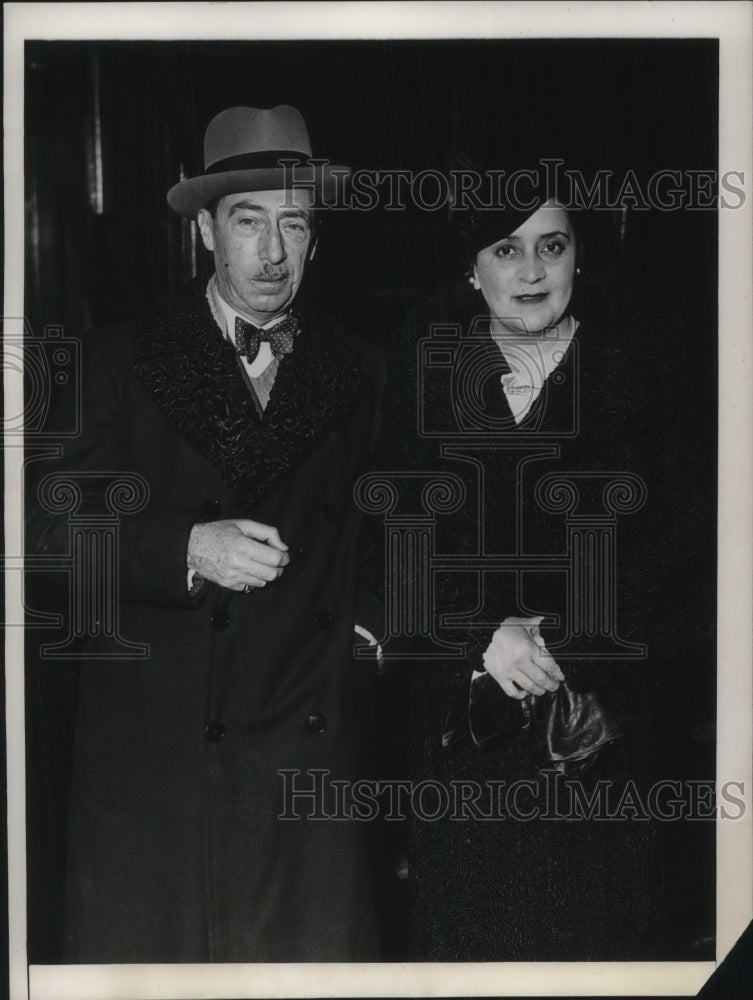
(271, 274)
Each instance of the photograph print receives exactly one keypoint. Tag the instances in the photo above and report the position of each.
(370, 500)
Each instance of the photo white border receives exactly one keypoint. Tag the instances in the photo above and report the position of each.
(732, 24)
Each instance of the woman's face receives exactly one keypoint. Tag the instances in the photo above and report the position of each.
(527, 277)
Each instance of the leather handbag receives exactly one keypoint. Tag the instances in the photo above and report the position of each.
(567, 729)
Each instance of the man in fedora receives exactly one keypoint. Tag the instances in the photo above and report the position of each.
(249, 417)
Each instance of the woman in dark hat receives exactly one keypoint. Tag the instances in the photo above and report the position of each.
(529, 390)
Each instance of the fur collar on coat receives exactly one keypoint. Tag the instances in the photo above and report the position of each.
(192, 372)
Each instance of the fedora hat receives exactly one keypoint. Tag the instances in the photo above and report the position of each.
(243, 148)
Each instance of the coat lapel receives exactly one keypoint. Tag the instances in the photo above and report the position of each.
(192, 373)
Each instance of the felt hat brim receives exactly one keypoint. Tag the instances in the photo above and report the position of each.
(190, 195)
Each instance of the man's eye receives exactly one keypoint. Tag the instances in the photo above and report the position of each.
(248, 222)
(298, 228)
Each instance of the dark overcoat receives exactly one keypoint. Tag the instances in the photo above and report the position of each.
(611, 446)
(176, 851)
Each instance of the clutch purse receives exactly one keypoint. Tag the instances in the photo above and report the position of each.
(568, 729)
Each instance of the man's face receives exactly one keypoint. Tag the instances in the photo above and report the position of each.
(261, 243)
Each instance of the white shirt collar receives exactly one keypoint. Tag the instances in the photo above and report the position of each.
(531, 360)
(225, 316)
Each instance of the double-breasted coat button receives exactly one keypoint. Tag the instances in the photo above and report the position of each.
(220, 620)
(316, 723)
(324, 618)
(215, 732)
(210, 509)
(330, 511)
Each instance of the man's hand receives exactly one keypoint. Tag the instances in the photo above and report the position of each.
(518, 660)
(237, 553)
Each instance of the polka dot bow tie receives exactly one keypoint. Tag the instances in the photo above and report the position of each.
(248, 337)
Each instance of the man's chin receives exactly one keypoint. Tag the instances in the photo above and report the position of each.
(270, 300)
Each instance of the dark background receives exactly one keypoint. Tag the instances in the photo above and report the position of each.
(602, 104)
(372, 105)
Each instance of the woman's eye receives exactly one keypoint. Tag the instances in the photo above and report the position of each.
(505, 250)
(553, 248)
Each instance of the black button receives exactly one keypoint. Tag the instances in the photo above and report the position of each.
(210, 509)
(215, 732)
(324, 618)
(330, 511)
(316, 724)
(220, 620)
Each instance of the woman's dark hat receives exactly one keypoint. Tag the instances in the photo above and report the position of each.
(504, 199)
(243, 150)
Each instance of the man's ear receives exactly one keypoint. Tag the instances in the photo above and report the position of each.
(204, 222)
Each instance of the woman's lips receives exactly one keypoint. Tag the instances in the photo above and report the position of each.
(531, 299)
